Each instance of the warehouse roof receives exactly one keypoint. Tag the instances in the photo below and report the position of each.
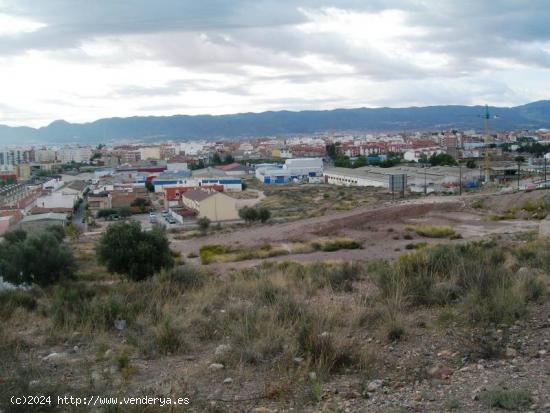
(198, 194)
(52, 216)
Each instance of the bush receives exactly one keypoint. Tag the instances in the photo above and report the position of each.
(106, 212)
(204, 223)
(208, 253)
(264, 214)
(324, 352)
(168, 338)
(506, 399)
(125, 211)
(57, 231)
(341, 278)
(186, 277)
(15, 236)
(255, 214)
(431, 231)
(141, 204)
(341, 244)
(248, 214)
(128, 250)
(10, 300)
(39, 259)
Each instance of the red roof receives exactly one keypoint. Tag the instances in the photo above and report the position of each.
(229, 167)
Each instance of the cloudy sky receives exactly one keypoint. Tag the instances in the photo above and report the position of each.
(80, 60)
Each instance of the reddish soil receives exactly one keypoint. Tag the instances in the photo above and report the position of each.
(381, 229)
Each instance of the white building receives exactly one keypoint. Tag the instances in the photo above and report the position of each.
(416, 154)
(45, 155)
(79, 154)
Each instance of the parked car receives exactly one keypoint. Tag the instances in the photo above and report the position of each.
(529, 187)
(165, 214)
(171, 220)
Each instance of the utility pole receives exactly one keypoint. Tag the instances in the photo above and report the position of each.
(519, 172)
(545, 168)
(425, 187)
(460, 179)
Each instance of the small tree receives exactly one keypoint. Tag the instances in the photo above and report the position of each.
(248, 214)
(128, 250)
(264, 214)
(73, 231)
(150, 187)
(471, 164)
(204, 223)
(15, 236)
(106, 212)
(228, 159)
(38, 258)
(216, 159)
(57, 231)
(141, 203)
(125, 211)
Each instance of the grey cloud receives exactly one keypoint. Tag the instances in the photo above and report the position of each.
(223, 36)
(178, 87)
(236, 37)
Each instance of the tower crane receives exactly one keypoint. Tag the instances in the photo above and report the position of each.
(487, 138)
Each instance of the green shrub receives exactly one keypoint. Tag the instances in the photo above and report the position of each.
(416, 245)
(38, 259)
(208, 253)
(126, 249)
(506, 399)
(432, 231)
(340, 244)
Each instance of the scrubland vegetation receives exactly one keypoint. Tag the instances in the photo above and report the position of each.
(289, 202)
(222, 253)
(532, 209)
(433, 231)
(292, 327)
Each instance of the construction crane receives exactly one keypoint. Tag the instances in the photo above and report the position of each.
(487, 138)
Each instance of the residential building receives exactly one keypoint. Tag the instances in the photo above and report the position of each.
(149, 152)
(98, 201)
(79, 154)
(44, 155)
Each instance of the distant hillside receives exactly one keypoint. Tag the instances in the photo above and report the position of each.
(531, 116)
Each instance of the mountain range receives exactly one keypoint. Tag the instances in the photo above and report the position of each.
(146, 128)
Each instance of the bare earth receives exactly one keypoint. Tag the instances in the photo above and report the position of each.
(380, 228)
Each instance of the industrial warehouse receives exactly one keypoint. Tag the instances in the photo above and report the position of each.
(433, 179)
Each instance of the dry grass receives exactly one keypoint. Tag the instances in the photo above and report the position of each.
(296, 201)
(277, 321)
(432, 231)
(221, 253)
